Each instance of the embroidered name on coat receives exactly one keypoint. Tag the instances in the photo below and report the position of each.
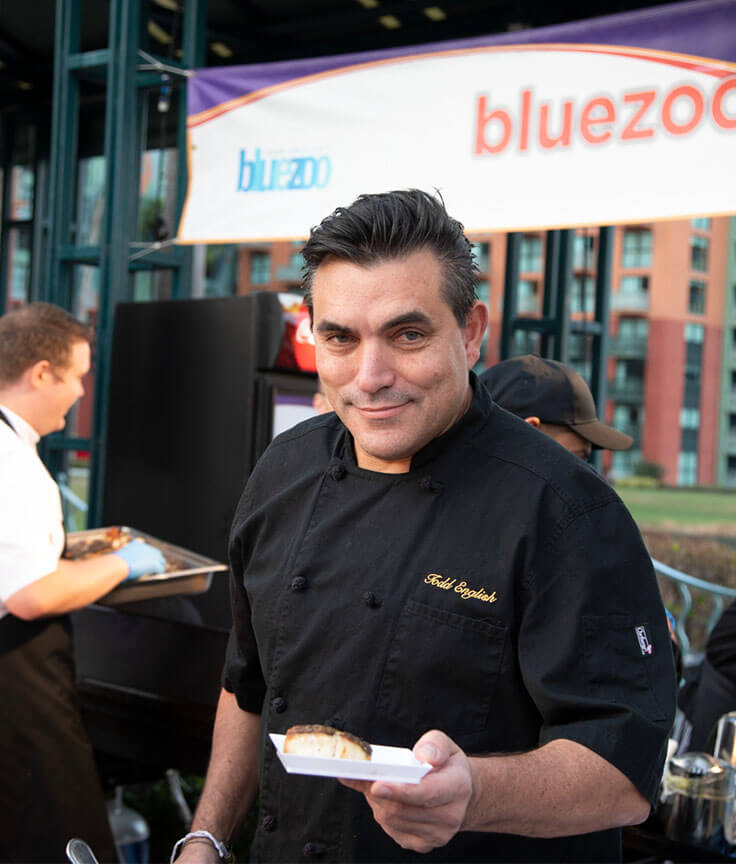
(461, 588)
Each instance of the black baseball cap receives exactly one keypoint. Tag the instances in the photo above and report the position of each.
(531, 386)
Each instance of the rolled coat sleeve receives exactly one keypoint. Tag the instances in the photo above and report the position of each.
(594, 648)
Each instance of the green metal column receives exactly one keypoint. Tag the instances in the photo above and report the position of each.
(194, 54)
(510, 293)
(63, 156)
(560, 326)
(122, 155)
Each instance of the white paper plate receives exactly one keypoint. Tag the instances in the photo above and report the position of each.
(392, 764)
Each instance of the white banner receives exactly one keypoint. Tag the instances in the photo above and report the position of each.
(514, 137)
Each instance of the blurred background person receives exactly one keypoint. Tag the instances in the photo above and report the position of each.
(555, 399)
(49, 787)
(320, 401)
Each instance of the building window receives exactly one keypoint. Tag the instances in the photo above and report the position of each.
(687, 469)
(530, 255)
(633, 329)
(637, 248)
(584, 250)
(694, 333)
(701, 224)
(528, 295)
(483, 290)
(526, 342)
(689, 418)
(696, 302)
(634, 284)
(260, 268)
(733, 381)
(481, 251)
(699, 253)
(623, 462)
(583, 294)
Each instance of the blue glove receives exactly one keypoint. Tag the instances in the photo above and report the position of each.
(141, 558)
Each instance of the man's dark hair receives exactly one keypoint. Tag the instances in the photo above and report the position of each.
(392, 225)
(37, 331)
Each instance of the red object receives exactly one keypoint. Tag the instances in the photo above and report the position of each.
(304, 342)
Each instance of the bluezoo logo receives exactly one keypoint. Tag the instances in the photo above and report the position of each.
(266, 175)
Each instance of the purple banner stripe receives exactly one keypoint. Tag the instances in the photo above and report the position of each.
(705, 28)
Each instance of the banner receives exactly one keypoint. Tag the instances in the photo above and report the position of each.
(621, 119)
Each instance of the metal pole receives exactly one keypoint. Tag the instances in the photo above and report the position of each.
(510, 292)
(599, 378)
(562, 307)
(121, 156)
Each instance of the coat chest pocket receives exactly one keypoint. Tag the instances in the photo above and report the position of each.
(441, 671)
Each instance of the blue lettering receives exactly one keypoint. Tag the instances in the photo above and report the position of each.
(261, 175)
(323, 163)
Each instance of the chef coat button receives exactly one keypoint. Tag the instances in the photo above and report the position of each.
(278, 704)
(430, 485)
(337, 472)
(269, 823)
(314, 850)
(298, 583)
(371, 601)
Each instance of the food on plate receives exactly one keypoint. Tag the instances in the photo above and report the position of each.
(317, 740)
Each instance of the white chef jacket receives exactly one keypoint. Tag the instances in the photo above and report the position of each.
(31, 521)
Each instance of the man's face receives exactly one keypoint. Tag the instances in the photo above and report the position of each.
(62, 388)
(392, 359)
(567, 438)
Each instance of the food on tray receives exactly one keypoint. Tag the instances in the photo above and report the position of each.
(317, 740)
(112, 540)
(109, 541)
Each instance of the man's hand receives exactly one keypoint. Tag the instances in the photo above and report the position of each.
(141, 558)
(427, 815)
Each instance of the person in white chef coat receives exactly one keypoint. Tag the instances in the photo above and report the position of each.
(49, 787)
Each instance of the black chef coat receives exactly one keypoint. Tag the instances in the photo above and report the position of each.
(499, 591)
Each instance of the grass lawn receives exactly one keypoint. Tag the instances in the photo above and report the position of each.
(715, 512)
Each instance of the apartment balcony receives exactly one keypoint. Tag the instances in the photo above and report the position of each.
(627, 390)
(630, 301)
(629, 346)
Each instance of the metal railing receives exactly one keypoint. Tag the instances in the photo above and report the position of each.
(73, 508)
(684, 582)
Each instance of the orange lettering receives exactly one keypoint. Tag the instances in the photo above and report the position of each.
(719, 115)
(482, 121)
(588, 121)
(686, 92)
(645, 97)
(563, 138)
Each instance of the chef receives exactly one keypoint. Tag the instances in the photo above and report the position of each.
(424, 570)
(50, 790)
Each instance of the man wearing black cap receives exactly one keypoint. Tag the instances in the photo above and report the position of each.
(556, 400)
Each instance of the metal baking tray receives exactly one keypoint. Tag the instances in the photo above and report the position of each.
(193, 574)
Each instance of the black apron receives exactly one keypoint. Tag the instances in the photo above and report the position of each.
(50, 790)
